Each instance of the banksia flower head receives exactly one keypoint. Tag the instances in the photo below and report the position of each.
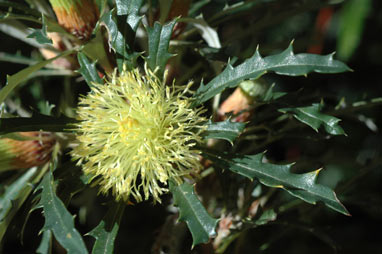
(78, 17)
(33, 149)
(135, 134)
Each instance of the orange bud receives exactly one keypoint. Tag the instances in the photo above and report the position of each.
(78, 17)
(15, 154)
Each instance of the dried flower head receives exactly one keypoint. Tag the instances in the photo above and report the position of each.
(135, 134)
(32, 149)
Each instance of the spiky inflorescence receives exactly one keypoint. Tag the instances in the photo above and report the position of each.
(135, 134)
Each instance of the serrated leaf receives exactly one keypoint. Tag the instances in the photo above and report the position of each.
(159, 38)
(285, 63)
(35, 123)
(191, 210)
(314, 118)
(120, 34)
(303, 186)
(14, 80)
(106, 231)
(13, 197)
(40, 34)
(58, 219)
(226, 130)
(131, 9)
(88, 70)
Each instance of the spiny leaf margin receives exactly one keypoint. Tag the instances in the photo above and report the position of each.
(159, 39)
(106, 231)
(58, 219)
(200, 223)
(285, 63)
(314, 118)
(302, 186)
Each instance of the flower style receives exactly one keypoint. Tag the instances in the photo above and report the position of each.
(135, 134)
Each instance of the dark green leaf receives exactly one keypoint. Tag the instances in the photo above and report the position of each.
(23, 8)
(107, 230)
(314, 118)
(131, 9)
(285, 63)
(223, 130)
(35, 123)
(303, 186)
(191, 210)
(159, 39)
(40, 34)
(88, 70)
(120, 33)
(13, 197)
(71, 180)
(14, 80)
(58, 219)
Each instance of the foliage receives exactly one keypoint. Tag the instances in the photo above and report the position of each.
(280, 155)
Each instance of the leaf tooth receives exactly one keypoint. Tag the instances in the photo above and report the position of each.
(311, 177)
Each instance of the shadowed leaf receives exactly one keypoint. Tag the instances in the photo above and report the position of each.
(191, 211)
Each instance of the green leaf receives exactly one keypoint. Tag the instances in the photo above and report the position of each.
(35, 123)
(45, 244)
(266, 217)
(285, 63)
(14, 80)
(226, 130)
(119, 33)
(40, 34)
(131, 9)
(88, 70)
(58, 219)
(13, 197)
(107, 230)
(159, 39)
(352, 21)
(191, 210)
(302, 186)
(314, 118)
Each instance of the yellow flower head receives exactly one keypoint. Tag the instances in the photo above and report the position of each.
(135, 134)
